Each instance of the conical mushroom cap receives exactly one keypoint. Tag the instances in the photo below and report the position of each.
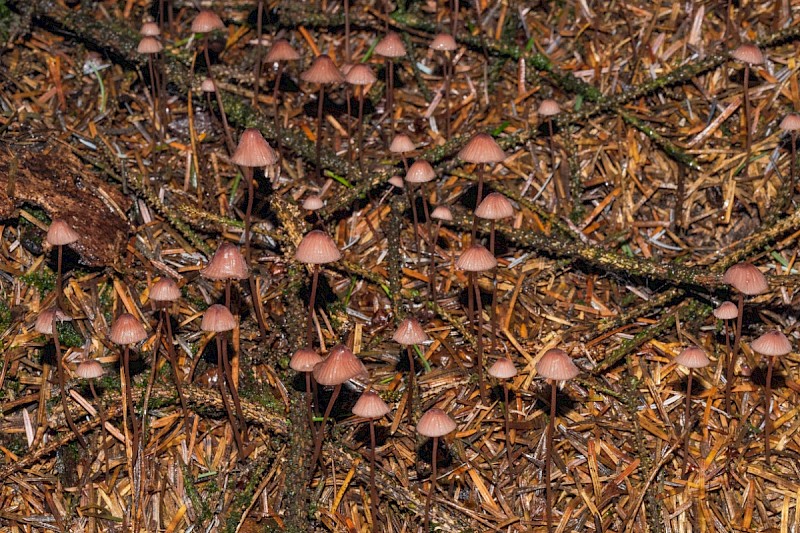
(281, 50)
(360, 74)
(409, 332)
(442, 212)
(420, 172)
(435, 423)
(790, 122)
(370, 405)
(149, 45)
(208, 86)
(317, 248)
(340, 366)
(323, 71)
(227, 263)
(127, 329)
(207, 21)
(726, 311)
(390, 46)
(401, 144)
(313, 203)
(503, 368)
(693, 357)
(217, 319)
(253, 150)
(772, 343)
(748, 53)
(476, 258)
(150, 29)
(304, 360)
(44, 322)
(482, 149)
(555, 364)
(60, 233)
(89, 369)
(495, 207)
(746, 279)
(549, 108)
(165, 290)
(443, 42)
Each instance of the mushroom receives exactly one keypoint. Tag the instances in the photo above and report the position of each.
(440, 214)
(772, 344)
(371, 407)
(391, 47)
(690, 358)
(748, 54)
(410, 333)
(317, 248)
(481, 150)
(322, 72)
(304, 360)
(434, 424)
(503, 369)
(791, 124)
(280, 53)
(60, 234)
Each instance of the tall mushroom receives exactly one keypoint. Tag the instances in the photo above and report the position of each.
(60, 234)
(750, 55)
(440, 214)
(410, 333)
(555, 366)
(481, 150)
(747, 280)
(493, 208)
(91, 369)
(420, 172)
(791, 124)
(503, 369)
(280, 53)
(317, 248)
(360, 76)
(444, 42)
(434, 424)
(726, 312)
(322, 72)
(391, 48)
(691, 358)
(476, 259)
(772, 344)
(371, 407)
(548, 109)
(304, 360)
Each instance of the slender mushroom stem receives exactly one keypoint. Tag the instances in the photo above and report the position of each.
(362, 89)
(432, 275)
(321, 432)
(767, 409)
(347, 31)
(225, 126)
(494, 289)
(275, 92)
(224, 394)
(411, 383)
(448, 67)
(59, 283)
(549, 458)
(126, 370)
(479, 171)
(248, 176)
(234, 393)
(260, 53)
(479, 338)
(687, 428)
(390, 94)
(151, 379)
(154, 93)
(432, 487)
(102, 413)
(507, 417)
(748, 136)
(793, 164)
(319, 132)
(412, 199)
(734, 353)
(373, 493)
(173, 361)
(311, 303)
(308, 401)
(63, 386)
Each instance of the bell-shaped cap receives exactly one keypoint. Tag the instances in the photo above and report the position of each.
(494, 207)
(317, 248)
(313, 203)
(217, 319)
(360, 74)
(396, 181)
(409, 332)
(127, 329)
(420, 172)
(435, 423)
(340, 366)
(89, 369)
(44, 322)
(401, 144)
(772, 343)
(281, 50)
(790, 122)
(60, 233)
(370, 405)
(150, 29)
(746, 278)
(726, 311)
(555, 364)
(208, 86)
(443, 42)
(165, 290)
(253, 150)
(304, 360)
(549, 108)
(482, 149)
(693, 357)
(207, 21)
(149, 45)
(476, 258)
(748, 53)
(390, 46)
(503, 368)
(323, 71)
(227, 263)
(442, 212)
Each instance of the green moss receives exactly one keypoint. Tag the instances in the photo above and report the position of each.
(5, 315)
(43, 280)
(68, 336)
